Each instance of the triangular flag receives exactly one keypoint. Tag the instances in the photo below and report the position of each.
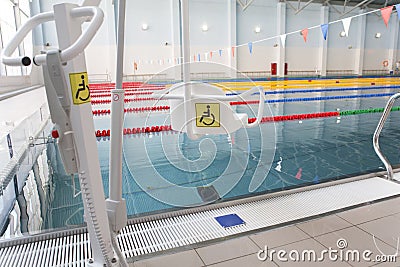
(398, 10)
(324, 29)
(233, 51)
(198, 56)
(194, 57)
(283, 39)
(210, 54)
(316, 179)
(346, 25)
(250, 45)
(299, 173)
(386, 12)
(206, 56)
(304, 32)
(220, 52)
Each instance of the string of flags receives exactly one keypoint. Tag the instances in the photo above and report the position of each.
(346, 22)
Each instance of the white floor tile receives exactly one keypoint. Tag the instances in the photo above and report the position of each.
(323, 225)
(278, 237)
(227, 250)
(186, 258)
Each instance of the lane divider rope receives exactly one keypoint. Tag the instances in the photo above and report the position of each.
(162, 128)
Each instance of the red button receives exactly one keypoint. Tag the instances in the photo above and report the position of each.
(55, 134)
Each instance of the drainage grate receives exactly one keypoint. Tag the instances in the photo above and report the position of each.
(162, 234)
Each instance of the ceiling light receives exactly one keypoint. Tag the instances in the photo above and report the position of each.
(145, 27)
(257, 29)
(342, 34)
(378, 35)
(204, 28)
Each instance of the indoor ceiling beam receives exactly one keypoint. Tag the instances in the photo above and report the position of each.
(290, 5)
(363, 3)
(301, 9)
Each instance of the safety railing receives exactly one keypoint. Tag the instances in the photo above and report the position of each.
(339, 72)
(255, 74)
(377, 133)
(99, 78)
(196, 76)
(145, 77)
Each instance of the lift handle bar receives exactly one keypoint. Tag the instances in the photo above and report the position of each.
(69, 53)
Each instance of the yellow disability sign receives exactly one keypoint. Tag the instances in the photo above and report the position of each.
(79, 87)
(207, 115)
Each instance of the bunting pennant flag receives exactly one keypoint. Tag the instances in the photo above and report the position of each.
(210, 54)
(386, 12)
(194, 58)
(220, 52)
(233, 51)
(324, 29)
(283, 39)
(304, 32)
(250, 45)
(398, 10)
(346, 25)
(198, 57)
(206, 56)
(299, 173)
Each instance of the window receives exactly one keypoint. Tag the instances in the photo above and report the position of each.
(12, 14)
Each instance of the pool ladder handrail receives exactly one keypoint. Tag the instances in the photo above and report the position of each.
(377, 133)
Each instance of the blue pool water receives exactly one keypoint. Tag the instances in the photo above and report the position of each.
(280, 156)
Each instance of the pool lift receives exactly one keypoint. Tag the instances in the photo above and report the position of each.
(66, 84)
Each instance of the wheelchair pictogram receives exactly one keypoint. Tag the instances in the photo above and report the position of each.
(79, 87)
(207, 115)
(82, 87)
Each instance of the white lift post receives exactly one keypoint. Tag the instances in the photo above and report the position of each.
(66, 83)
(116, 205)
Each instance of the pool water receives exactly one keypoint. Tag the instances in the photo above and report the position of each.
(275, 157)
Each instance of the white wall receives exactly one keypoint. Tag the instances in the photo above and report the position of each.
(377, 49)
(262, 14)
(161, 15)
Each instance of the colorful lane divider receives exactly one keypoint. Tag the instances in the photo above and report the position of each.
(162, 128)
(126, 94)
(108, 101)
(306, 99)
(297, 91)
(144, 89)
(138, 130)
(235, 103)
(99, 112)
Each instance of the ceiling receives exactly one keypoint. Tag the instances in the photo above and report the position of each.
(343, 7)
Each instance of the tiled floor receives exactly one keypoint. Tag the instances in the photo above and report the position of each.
(367, 231)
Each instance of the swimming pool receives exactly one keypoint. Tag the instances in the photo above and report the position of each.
(298, 152)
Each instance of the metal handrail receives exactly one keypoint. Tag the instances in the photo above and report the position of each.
(377, 133)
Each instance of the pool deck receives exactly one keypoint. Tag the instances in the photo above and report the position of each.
(357, 227)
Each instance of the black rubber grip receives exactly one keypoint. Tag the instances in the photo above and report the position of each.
(26, 61)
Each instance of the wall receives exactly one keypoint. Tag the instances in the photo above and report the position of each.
(148, 49)
(263, 15)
